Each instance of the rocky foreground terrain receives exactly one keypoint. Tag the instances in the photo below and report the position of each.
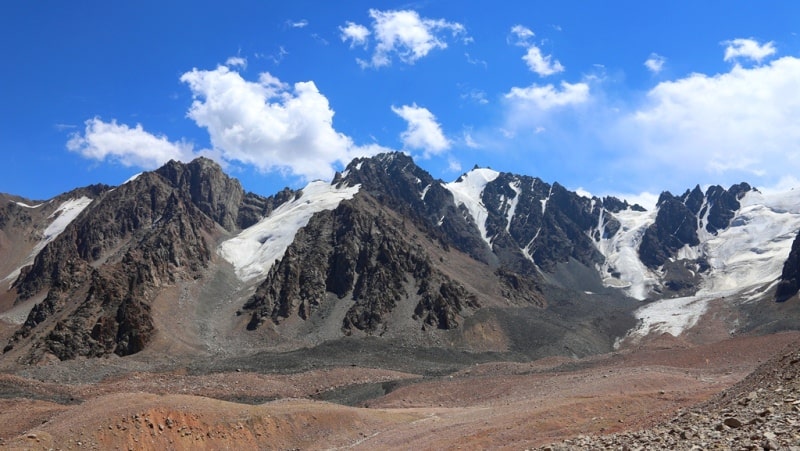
(760, 412)
(668, 394)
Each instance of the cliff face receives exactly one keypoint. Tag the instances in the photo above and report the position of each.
(789, 283)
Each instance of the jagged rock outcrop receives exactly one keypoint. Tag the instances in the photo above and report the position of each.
(399, 184)
(529, 222)
(680, 218)
(789, 283)
(532, 222)
(674, 228)
(362, 255)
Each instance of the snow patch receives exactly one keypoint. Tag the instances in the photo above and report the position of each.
(468, 192)
(546, 199)
(254, 250)
(512, 207)
(62, 217)
(24, 205)
(132, 178)
(672, 316)
(526, 249)
(688, 253)
(424, 192)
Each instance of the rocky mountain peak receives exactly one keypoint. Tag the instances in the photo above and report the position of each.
(395, 180)
(615, 205)
(216, 194)
(113, 258)
(681, 220)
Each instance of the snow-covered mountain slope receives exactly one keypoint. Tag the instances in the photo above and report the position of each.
(59, 220)
(254, 250)
(744, 260)
(699, 246)
(750, 251)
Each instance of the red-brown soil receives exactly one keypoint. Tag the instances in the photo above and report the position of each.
(493, 405)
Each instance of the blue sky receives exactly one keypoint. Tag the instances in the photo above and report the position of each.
(608, 97)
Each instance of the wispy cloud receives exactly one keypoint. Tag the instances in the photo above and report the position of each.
(401, 34)
(545, 97)
(236, 61)
(302, 23)
(737, 49)
(276, 57)
(474, 95)
(537, 62)
(475, 61)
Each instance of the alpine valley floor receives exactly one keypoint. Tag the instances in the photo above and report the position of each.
(436, 403)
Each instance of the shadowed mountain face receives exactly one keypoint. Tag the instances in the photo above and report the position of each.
(384, 251)
(98, 276)
(359, 253)
(790, 277)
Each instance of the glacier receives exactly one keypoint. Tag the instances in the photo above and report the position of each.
(745, 258)
(255, 249)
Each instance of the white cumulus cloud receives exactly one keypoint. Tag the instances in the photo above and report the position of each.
(741, 123)
(543, 65)
(748, 49)
(128, 146)
(402, 34)
(655, 63)
(269, 124)
(423, 131)
(355, 33)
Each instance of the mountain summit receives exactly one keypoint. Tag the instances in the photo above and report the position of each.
(181, 259)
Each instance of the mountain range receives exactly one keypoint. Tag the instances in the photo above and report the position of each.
(183, 261)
